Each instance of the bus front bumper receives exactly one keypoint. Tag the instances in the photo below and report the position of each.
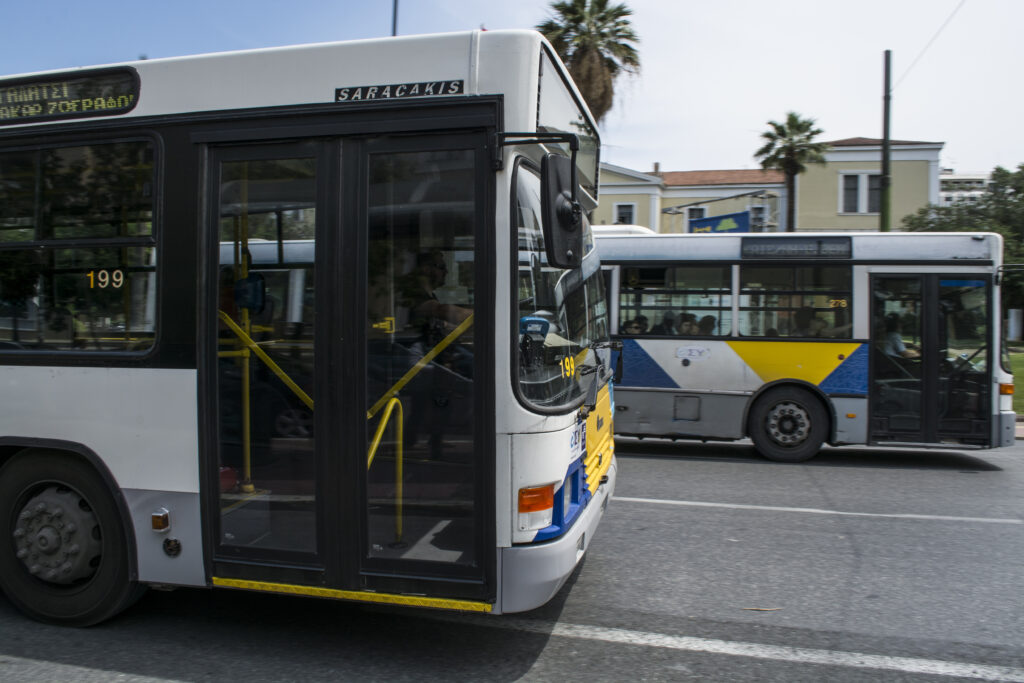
(532, 574)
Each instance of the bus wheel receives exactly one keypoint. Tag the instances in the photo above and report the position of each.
(63, 550)
(788, 425)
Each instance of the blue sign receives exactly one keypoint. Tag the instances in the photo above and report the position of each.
(729, 222)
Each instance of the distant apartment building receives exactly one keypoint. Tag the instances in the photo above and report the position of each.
(962, 188)
(843, 193)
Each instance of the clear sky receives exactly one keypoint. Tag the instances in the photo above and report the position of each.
(713, 71)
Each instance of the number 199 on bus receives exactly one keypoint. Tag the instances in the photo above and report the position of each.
(105, 278)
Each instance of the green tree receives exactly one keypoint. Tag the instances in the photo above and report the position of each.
(789, 147)
(1000, 209)
(597, 43)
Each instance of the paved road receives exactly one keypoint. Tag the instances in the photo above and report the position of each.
(712, 565)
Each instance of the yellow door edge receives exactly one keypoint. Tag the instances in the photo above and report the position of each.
(360, 596)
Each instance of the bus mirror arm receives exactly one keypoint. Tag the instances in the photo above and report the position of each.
(614, 345)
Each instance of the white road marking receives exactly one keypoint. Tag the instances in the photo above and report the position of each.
(816, 511)
(796, 655)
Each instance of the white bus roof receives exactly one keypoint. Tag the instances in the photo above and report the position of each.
(904, 247)
(621, 229)
(503, 62)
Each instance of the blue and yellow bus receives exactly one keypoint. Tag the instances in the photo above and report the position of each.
(798, 340)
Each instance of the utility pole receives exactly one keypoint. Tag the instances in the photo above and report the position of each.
(885, 211)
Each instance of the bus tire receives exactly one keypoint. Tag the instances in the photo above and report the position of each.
(788, 424)
(63, 552)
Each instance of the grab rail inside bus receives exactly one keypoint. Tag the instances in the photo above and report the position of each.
(420, 364)
(250, 345)
(393, 405)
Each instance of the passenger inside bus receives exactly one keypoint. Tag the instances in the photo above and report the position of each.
(631, 327)
(417, 290)
(687, 324)
(666, 326)
(893, 344)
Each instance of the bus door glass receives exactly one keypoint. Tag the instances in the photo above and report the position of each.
(423, 512)
(964, 403)
(267, 212)
(896, 361)
(929, 360)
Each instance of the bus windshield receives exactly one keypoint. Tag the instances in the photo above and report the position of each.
(561, 313)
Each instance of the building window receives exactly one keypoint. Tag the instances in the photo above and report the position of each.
(860, 193)
(695, 213)
(625, 214)
(758, 216)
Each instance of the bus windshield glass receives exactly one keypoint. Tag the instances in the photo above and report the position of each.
(561, 313)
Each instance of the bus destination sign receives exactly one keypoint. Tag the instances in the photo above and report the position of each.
(85, 94)
(797, 247)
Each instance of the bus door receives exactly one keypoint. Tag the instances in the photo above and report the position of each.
(930, 359)
(350, 417)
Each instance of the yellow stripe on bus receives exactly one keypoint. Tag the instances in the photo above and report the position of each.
(362, 596)
(808, 361)
(600, 441)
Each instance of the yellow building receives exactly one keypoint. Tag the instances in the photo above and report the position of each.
(844, 193)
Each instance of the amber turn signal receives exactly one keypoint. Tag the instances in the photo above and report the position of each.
(537, 499)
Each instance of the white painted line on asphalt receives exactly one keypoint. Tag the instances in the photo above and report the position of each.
(817, 511)
(21, 669)
(795, 655)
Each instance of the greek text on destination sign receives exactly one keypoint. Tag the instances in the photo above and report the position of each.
(796, 247)
(397, 91)
(68, 96)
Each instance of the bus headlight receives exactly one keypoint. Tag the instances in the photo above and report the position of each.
(536, 506)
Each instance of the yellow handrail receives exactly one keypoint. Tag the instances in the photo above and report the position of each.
(414, 370)
(274, 367)
(391, 406)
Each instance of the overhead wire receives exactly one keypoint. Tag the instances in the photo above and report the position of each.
(933, 38)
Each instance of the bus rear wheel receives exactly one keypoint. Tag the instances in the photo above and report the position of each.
(63, 549)
(788, 425)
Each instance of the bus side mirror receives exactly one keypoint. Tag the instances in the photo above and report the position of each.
(251, 293)
(561, 215)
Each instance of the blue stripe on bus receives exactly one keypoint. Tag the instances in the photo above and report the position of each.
(640, 370)
(851, 377)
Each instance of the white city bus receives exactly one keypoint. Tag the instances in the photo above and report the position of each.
(796, 340)
(197, 252)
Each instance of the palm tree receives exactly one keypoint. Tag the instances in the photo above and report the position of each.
(789, 147)
(596, 42)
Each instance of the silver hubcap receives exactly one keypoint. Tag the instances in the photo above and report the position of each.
(788, 424)
(57, 536)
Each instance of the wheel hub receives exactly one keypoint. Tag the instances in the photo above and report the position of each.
(57, 536)
(788, 424)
